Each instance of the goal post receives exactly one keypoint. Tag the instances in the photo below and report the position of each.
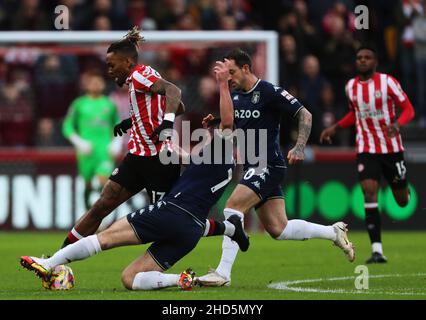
(270, 38)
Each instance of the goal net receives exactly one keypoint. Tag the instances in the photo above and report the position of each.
(43, 72)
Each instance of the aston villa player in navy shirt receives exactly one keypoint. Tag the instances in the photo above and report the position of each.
(261, 108)
(260, 105)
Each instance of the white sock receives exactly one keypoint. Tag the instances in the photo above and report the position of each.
(229, 248)
(79, 250)
(377, 247)
(154, 280)
(229, 228)
(302, 230)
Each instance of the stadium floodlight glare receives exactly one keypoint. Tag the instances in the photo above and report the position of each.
(270, 38)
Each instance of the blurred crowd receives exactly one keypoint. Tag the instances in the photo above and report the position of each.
(317, 42)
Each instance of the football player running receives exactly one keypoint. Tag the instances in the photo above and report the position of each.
(372, 99)
(154, 102)
(258, 105)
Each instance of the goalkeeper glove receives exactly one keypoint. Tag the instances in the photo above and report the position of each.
(82, 146)
(115, 147)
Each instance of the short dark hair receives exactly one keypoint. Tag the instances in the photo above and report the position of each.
(129, 45)
(240, 57)
(370, 47)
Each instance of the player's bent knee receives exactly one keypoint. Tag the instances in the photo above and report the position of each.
(127, 280)
(275, 233)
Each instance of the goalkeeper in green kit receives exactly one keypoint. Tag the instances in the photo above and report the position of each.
(89, 127)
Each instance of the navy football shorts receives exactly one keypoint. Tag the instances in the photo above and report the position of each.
(265, 182)
(173, 232)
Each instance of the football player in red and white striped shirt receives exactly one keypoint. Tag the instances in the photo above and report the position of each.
(154, 102)
(373, 97)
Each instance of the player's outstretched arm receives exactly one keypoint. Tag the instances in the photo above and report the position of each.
(304, 130)
(347, 121)
(226, 107)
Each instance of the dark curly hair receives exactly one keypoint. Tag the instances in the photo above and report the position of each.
(129, 45)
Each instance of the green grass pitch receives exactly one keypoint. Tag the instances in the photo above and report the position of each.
(313, 269)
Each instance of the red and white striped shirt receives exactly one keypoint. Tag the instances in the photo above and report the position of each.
(373, 102)
(147, 110)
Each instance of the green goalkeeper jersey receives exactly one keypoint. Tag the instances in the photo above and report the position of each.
(93, 119)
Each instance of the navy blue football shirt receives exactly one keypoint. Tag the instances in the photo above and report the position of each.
(202, 184)
(262, 108)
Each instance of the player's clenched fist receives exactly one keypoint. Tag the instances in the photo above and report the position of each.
(296, 154)
(221, 71)
(327, 134)
(122, 127)
(391, 130)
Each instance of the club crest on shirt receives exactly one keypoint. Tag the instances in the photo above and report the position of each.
(147, 71)
(377, 94)
(255, 97)
(360, 167)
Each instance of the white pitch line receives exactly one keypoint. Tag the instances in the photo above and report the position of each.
(288, 285)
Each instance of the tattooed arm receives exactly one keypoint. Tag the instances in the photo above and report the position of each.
(172, 93)
(174, 106)
(305, 123)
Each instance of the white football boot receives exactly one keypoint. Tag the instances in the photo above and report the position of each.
(213, 279)
(342, 241)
